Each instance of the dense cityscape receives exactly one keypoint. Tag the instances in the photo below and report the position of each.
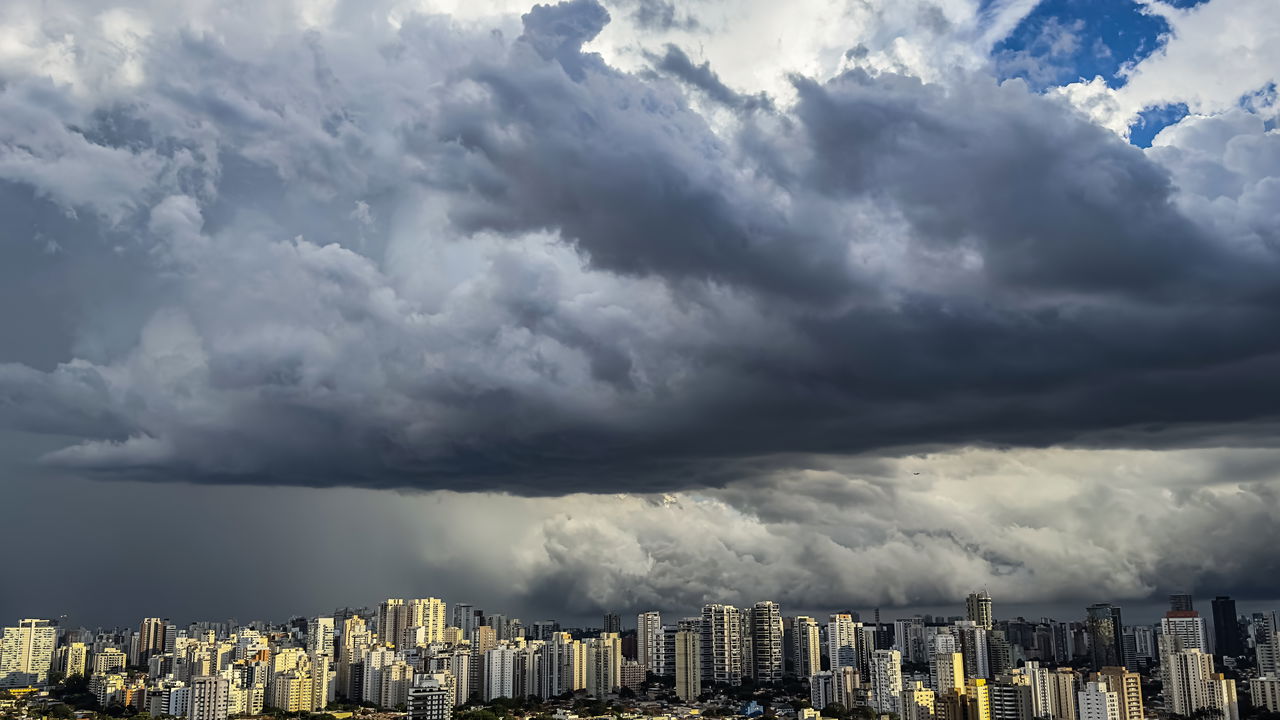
(421, 659)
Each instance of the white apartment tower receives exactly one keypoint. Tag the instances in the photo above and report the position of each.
(688, 664)
(886, 681)
(320, 636)
(843, 636)
(430, 697)
(499, 673)
(604, 664)
(721, 645)
(26, 653)
(766, 642)
(649, 641)
(978, 609)
(1096, 702)
(210, 698)
(1183, 630)
(806, 646)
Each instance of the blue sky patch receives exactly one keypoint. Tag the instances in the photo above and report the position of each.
(1062, 41)
(1152, 120)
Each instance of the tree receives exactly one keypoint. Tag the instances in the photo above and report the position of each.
(481, 714)
(116, 710)
(835, 710)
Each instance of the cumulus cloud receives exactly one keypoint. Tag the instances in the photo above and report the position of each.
(1216, 56)
(1032, 526)
(457, 253)
(667, 323)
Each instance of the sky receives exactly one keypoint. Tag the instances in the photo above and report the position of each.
(637, 304)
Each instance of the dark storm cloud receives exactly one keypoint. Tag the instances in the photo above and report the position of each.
(429, 256)
(659, 15)
(1049, 202)
(676, 63)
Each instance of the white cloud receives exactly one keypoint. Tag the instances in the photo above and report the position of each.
(1214, 56)
(389, 248)
(1032, 526)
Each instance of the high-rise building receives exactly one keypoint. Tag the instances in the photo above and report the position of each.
(649, 641)
(976, 649)
(393, 684)
(886, 681)
(464, 618)
(611, 623)
(151, 638)
(1062, 694)
(1128, 689)
(393, 618)
(563, 666)
(604, 664)
(486, 638)
(633, 675)
(1267, 652)
(210, 697)
(1098, 702)
(917, 702)
(975, 700)
(822, 691)
(291, 691)
(73, 659)
(108, 660)
(323, 687)
(1183, 630)
(499, 673)
(1265, 692)
(430, 614)
(1180, 602)
(688, 664)
(909, 639)
(999, 652)
(107, 688)
(948, 671)
(766, 642)
(1011, 698)
(544, 629)
(430, 697)
(1105, 642)
(320, 633)
(372, 664)
(806, 646)
(1144, 645)
(356, 638)
(1190, 682)
(1041, 692)
(721, 645)
(26, 653)
(1226, 628)
(978, 609)
(843, 636)
(1222, 694)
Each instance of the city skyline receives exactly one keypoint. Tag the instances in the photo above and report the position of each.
(421, 658)
(1150, 614)
(580, 306)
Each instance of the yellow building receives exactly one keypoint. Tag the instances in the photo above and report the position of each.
(1128, 686)
(688, 665)
(978, 699)
(949, 671)
(918, 702)
(73, 659)
(293, 691)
